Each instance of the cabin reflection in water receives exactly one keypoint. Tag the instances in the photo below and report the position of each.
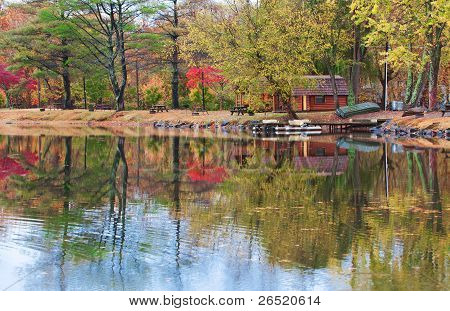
(323, 158)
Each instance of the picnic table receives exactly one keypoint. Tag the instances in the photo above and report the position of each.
(240, 110)
(103, 107)
(58, 104)
(158, 108)
(55, 106)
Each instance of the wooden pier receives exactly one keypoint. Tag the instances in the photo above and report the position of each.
(327, 127)
(348, 126)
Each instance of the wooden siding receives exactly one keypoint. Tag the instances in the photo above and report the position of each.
(297, 103)
(329, 103)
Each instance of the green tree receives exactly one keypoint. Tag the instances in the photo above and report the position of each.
(97, 88)
(152, 96)
(330, 22)
(106, 28)
(259, 46)
(47, 43)
(417, 32)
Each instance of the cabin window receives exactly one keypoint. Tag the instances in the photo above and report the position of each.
(320, 99)
(320, 152)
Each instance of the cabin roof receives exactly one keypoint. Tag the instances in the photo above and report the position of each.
(323, 165)
(321, 85)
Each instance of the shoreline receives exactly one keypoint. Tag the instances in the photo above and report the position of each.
(432, 125)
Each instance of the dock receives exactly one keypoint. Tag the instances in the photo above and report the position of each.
(349, 126)
(345, 126)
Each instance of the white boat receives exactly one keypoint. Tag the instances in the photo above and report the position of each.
(299, 122)
(303, 128)
(298, 133)
(265, 122)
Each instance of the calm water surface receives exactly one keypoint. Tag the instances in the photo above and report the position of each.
(180, 213)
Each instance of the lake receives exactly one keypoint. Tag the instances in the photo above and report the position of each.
(177, 212)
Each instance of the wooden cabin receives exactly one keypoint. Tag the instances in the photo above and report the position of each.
(315, 95)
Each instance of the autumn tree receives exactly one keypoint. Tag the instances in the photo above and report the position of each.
(106, 28)
(261, 45)
(417, 32)
(172, 22)
(169, 22)
(330, 21)
(202, 78)
(48, 43)
(7, 81)
(10, 80)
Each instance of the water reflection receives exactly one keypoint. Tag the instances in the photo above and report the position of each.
(177, 213)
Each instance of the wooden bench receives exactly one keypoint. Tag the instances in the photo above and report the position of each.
(103, 107)
(55, 106)
(58, 104)
(445, 108)
(197, 110)
(158, 108)
(240, 110)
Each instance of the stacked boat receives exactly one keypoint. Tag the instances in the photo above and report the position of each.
(294, 127)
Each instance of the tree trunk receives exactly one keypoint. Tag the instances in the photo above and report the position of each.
(67, 91)
(335, 90)
(418, 88)
(409, 84)
(291, 113)
(138, 104)
(123, 67)
(356, 67)
(117, 25)
(175, 58)
(203, 92)
(221, 96)
(175, 79)
(66, 79)
(39, 92)
(419, 85)
(7, 100)
(435, 59)
(117, 90)
(84, 93)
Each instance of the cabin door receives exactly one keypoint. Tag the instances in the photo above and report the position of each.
(304, 103)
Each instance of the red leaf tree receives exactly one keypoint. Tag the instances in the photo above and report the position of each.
(203, 77)
(9, 80)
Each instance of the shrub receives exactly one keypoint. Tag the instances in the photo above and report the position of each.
(152, 96)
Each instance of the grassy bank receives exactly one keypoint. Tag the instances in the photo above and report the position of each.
(431, 121)
(81, 117)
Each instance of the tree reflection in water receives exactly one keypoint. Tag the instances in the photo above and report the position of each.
(129, 211)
